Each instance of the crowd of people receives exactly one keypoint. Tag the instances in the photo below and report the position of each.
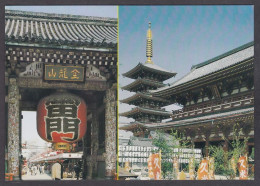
(56, 170)
(35, 169)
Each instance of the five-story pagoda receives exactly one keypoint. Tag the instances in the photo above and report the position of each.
(148, 76)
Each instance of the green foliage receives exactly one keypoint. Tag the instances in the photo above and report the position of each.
(252, 156)
(166, 152)
(222, 158)
(218, 153)
(166, 146)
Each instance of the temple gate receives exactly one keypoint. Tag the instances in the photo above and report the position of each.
(46, 53)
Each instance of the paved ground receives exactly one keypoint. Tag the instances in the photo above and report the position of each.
(42, 177)
(37, 177)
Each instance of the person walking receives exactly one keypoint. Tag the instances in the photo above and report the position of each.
(56, 171)
(40, 169)
(43, 167)
(77, 170)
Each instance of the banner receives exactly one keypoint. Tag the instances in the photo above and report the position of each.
(192, 168)
(150, 167)
(243, 168)
(203, 170)
(211, 168)
(156, 165)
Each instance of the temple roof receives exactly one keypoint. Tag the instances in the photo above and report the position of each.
(192, 121)
(143, 142)
(137, 110)
(131, 126)
(141, 82)
(202, 119)
(218, 63)
(140, 95)
(27, 28)
(147, 67)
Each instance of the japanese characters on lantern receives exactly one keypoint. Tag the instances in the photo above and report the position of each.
(61, 119)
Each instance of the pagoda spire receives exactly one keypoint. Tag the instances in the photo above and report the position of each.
(149, 45)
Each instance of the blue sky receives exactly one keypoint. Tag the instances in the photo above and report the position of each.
(182, 36)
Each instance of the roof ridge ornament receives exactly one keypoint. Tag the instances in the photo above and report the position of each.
(149, 45)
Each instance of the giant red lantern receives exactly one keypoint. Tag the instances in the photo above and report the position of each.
(62, 119)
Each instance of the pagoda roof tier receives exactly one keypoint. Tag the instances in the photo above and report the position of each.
(138, 110)
(141, 96)
(131, 126)
(45, 29)
(147, 67)
(138, 83)
(209, 69)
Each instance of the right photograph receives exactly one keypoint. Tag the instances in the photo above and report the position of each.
(186, 93)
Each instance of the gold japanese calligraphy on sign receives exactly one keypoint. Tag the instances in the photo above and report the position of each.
(64, 73)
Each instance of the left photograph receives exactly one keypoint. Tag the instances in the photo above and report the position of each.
(61, 92)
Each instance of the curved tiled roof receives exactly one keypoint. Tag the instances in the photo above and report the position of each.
(140, 95)
(208, 118)
(140, 82)
(60, 29)
(226, 60)
(149, 67)
(145, 110)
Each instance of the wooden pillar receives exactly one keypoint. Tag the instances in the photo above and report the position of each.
(89, 168)
(13, 139)
(207, 135)
(110, 131)
(207, 147)
(87, 149)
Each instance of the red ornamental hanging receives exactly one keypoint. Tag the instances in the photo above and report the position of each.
(62, 119)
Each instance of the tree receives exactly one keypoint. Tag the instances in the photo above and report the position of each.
(166, 152)
(167, 143)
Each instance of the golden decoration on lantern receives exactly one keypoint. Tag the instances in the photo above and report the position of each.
(62, 146)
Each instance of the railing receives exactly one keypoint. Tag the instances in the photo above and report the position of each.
(213, 108)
